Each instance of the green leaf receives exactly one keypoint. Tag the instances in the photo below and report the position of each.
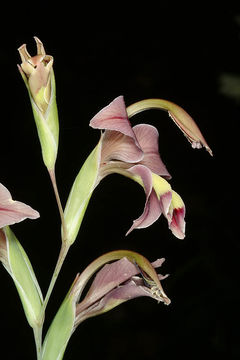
(80, 194)
(24, 278)
(60, 331)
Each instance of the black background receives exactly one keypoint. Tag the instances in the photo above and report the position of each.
(183, 59)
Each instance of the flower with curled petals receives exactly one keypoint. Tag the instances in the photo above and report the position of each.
(115, 283)
(132, 152)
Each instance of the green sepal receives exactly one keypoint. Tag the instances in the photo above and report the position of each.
(60, 331)
(21, 271)
(47, 124)
(80, 194)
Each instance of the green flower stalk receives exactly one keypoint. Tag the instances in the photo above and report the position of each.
(38, 75)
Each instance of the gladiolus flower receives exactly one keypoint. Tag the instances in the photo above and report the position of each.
(11, 211)
(132, 152)
(114, 284)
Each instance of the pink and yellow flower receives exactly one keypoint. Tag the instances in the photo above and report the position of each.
(133, 152)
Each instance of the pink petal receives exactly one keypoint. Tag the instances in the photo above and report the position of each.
(109, 278)
(11, 211)
(175, 216)
(114, 117)
(165, 202)
(115, 292)
(147, 136)
(177, 224)
(152, 209)
(117, 146)
(114, 298)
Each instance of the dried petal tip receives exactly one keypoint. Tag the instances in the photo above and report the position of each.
(181, 118)
(189, 128)
(24, 54)
(40, 47)
(36, 72)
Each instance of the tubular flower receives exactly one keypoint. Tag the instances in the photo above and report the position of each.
(11, 211)
(132, 152)
(115, 283)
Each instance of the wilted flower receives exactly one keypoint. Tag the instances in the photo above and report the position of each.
(11, 211)
(37, 71)
(114, 284)
(132, 152)
(38, 75)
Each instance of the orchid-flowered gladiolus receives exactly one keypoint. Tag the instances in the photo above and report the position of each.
(132, 152)
(38, 75)
(117, 282)
(113, 285)
(12, 211)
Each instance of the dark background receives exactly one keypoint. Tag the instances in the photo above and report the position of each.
(192, 58)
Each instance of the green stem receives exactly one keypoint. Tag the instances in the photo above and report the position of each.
(64, 247)
(60, 261)
(38, 341)
(61, 213)
(61, 258)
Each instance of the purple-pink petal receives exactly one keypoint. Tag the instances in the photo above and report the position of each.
(117, 146)
(152, 209)
(147, 136)
(113, 117)
(109, 278)
(115, 297)
(11, 211)
(177, 223)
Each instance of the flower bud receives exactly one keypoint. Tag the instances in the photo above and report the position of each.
(38, 75)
